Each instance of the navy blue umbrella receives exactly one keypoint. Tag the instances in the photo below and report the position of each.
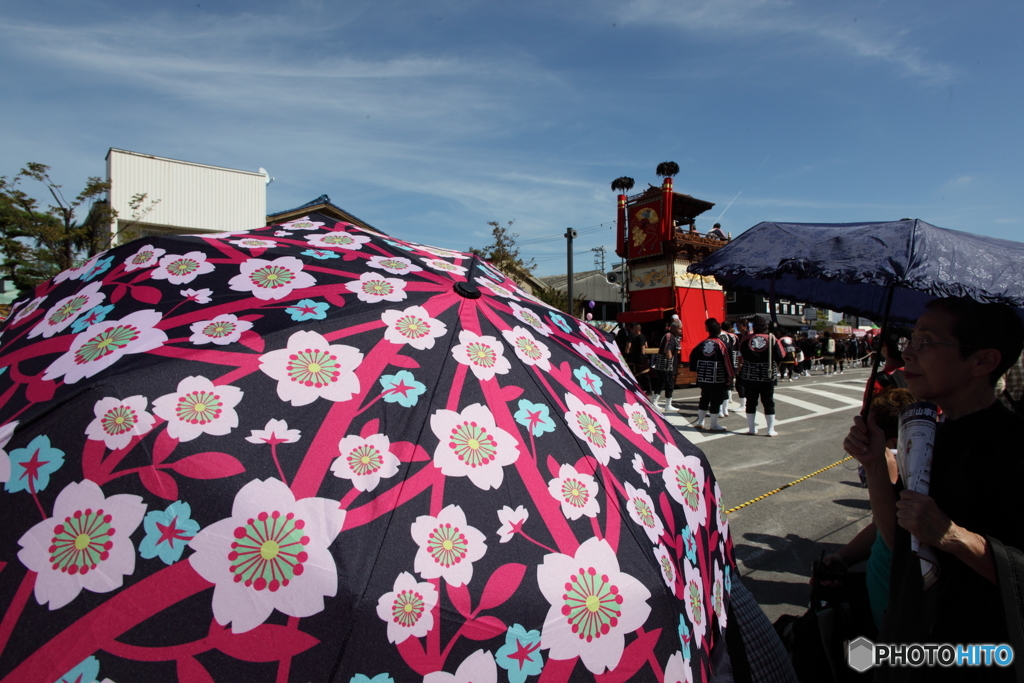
(856, 267)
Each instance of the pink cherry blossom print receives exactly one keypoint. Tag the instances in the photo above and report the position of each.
(531, 318)
(718, 597)
(640, 421)
(639, 468)
(200, 296)
(303, 223)
(310, 368)
(684, 479)
(103, 344)
(145, 257)
(479, 667)
(66, 311)
(275, 432)
(669, 573)
(408, 608)
(444, 266)
(588, 352)
(339, 239)
(593, 605)
(482, 353)
(374, 288)
(272, 553)
(720, 513)
(223, 330)
(271, 280)
(365, 461)
(677, 669)
(496, 289)
(76, 272)
(396, 265)
(413, 326)
(182, 269)
(6, 432)
(471, 445)
(19, 314)
(253, 243)
(590, 423)
(119, 420)
(86, 544)
(641, 510)
(199, 407)
(693, 598)
(591, 334)
(438, 251)
(576, 491)
(511, 522)
(448, 546)
(527, 348)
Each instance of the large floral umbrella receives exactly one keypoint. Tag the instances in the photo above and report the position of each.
(311, 452)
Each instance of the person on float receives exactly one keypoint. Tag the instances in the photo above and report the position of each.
(971, 515)
(712, 361)
(760, 353)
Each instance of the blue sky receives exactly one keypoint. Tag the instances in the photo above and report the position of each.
(430, 119)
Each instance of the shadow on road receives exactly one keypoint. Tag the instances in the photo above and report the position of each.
(857, 503)
(764, 555)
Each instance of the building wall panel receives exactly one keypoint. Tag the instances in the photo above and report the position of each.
(193, 197)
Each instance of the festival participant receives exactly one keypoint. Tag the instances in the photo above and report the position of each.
(759, 355)
(789, 362)
(669, 347)
(731, 337)
(731, 341)
(638, 361)
(971, 516)
(828, 354)
(716, 232)
(712, 361)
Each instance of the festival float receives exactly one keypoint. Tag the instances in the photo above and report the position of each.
(657, 238)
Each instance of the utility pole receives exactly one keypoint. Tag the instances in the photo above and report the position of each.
(599, 258)
(570, 235)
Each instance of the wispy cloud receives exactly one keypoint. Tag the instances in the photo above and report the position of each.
(782, 20)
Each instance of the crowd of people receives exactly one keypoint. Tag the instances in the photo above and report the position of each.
(963, 356)
(748, 360)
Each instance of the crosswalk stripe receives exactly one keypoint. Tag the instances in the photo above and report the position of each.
(828, 394)
(806, 405)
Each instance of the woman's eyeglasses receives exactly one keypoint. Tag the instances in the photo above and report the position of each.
(920, 343)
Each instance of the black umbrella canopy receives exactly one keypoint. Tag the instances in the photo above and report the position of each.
(851, 267)
(314, 452)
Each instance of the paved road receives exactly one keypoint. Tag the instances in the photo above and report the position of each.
(777, 538)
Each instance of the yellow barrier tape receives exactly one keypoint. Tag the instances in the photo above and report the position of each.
(786, 486)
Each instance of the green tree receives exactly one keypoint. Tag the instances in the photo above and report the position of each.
(503, 253)
(38, 243)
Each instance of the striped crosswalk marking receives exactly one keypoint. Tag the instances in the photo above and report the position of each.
(850, 398)
(829, 394)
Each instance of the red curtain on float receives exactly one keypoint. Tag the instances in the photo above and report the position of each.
(694, 306)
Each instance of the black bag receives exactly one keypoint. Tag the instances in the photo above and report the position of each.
(817, 640)
(661, 362)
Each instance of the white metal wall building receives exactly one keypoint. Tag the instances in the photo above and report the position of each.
(193, 198)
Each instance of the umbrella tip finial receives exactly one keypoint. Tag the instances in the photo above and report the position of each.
(468, 289)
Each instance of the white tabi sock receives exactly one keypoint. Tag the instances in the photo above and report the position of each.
(751, 427)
